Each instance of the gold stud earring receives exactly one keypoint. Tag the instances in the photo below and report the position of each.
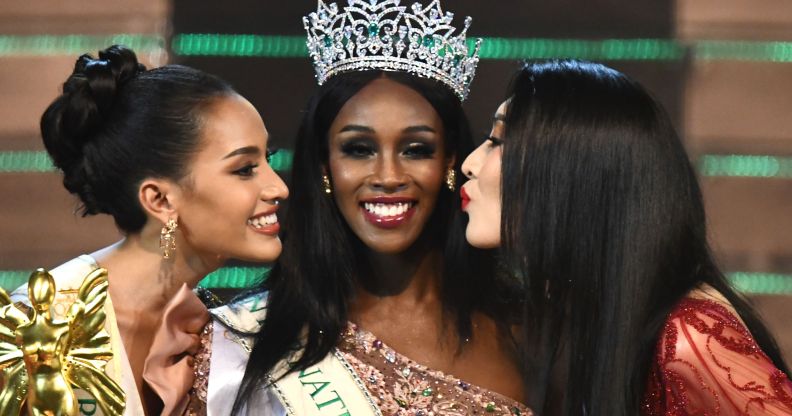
(328, 189)
(450, 179)
(168, 238)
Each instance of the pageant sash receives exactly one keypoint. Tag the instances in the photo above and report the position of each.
(329, 388)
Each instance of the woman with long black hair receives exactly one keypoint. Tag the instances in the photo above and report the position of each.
(587, 190)
(376, 306)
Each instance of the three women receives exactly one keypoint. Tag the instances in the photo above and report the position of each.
(604, 229)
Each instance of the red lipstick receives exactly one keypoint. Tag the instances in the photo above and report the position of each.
(465, 198)
(382, 219)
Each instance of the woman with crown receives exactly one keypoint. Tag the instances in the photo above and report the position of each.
(180, 161)
(376, 306)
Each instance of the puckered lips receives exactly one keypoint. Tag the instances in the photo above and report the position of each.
(388, 211)
(465, 198)
(265, 222)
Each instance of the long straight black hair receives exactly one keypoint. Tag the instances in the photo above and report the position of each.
(603, 220)
(314, 280)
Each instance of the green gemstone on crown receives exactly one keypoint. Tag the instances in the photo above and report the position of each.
(373, 30)
(327, 41)
(429, 41)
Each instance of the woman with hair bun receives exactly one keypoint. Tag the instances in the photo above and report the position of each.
(180, 161)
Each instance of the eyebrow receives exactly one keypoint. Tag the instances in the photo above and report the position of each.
(247, 150)
(419, 129)
(357, 128)
(366, 129)
(499, 117)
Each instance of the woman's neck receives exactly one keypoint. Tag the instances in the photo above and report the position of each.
(141, 279)
(141, 283)
(397, 282)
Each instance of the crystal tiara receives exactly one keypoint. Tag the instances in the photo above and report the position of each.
(384, 35)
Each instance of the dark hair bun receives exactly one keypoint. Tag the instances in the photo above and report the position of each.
(75, 117)
(91, 90)
(117, 124)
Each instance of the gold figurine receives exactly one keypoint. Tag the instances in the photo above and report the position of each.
(42, 359)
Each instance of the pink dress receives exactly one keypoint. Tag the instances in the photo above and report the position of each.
(707, 363)
(400, 386)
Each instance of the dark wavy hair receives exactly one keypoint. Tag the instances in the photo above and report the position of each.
(116, 124)
(311, 286)
(604, 222)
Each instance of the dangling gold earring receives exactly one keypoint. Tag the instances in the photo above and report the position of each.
(450, 179)
(328, 189)
(168, 238)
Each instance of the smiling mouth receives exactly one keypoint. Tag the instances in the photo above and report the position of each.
(388, 214)
(265, 223)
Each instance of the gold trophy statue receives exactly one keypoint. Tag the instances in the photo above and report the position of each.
(43, 359)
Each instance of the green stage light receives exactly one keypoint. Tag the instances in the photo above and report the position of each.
(203, 44)
(743, 51)
(32, 161)
(736, 166)
(282, 160)
(50, 45)
(197, 44)
(275, 46)
(746, 166)
(250, 277)
(25, 162)
(609, 49)
(762, 283)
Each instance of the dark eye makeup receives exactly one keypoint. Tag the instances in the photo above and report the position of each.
(358, 147)
(420, 150)
(247, 170)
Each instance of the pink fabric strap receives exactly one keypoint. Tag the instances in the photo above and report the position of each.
(169, 366)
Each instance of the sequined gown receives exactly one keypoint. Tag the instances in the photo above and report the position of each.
(400, 386)
(707, 363)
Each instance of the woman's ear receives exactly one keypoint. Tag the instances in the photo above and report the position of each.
(156, 197)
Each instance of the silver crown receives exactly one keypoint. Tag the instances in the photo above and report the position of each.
(386, 36)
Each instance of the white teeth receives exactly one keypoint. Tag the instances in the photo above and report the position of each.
(259, 222)
(387, 210)
(270, 219)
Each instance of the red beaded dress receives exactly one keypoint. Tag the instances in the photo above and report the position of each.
(707, 363)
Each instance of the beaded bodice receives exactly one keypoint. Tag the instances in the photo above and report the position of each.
(400, 386)
(707, 363)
